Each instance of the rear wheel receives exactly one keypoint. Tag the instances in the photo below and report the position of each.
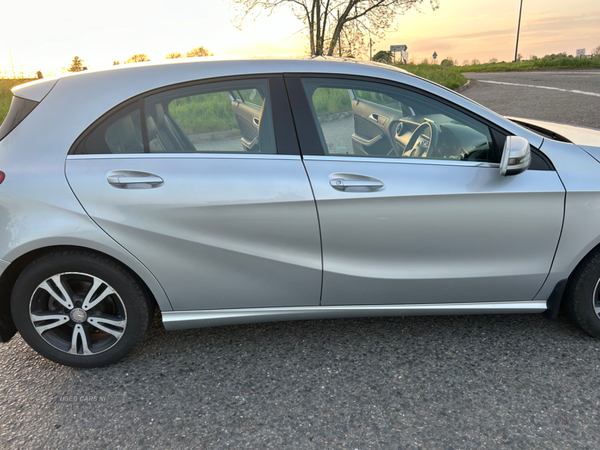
(583, 295)
(80, 309)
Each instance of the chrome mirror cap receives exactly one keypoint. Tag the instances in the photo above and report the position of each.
(516, 156)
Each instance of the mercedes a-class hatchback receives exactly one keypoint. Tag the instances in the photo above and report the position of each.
(237, 191)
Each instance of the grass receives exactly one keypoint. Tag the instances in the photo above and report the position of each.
(6, 95)
(545, 63)
(207, 113)
(330, 101)
(449, 77)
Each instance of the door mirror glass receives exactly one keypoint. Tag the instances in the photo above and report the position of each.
(516, 156)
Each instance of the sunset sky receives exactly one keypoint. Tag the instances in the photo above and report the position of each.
(46, 35)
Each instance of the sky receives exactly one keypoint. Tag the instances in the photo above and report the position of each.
(44, 35)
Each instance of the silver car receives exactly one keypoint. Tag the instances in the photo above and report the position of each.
(238, 191)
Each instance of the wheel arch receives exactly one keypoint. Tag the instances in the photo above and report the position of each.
(555, 300)
(11, 273)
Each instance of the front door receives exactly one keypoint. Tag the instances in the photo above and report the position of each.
(428, 218)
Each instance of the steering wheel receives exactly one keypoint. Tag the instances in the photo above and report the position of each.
(423, 141)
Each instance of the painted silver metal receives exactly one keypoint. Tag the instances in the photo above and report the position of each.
(176, 320)
(221, 233)
(59, 317)
(435, 231)
(516, 156)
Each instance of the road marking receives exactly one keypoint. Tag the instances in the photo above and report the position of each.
(575, 91)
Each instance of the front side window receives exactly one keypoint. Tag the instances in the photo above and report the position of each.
(227, 117)
(365, 119)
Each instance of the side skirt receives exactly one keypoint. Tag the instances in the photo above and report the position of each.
(179, 320)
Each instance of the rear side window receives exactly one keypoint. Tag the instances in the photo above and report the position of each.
(19, 109)
(226, 117)
(121, 134)
(223, 117)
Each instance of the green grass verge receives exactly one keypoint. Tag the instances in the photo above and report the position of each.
(206, 113)
(449, 77)
(6, 95)
(566, 62)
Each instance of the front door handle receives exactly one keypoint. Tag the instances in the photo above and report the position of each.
(341, 184)
(133, 180)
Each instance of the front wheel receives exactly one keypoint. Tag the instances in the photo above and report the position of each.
(80, 309)
(583, 295)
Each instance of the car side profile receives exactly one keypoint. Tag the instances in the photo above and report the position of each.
(239, 191)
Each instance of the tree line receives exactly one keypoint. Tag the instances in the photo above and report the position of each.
(77, 64)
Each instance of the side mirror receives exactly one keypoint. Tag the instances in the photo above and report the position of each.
(516, 156)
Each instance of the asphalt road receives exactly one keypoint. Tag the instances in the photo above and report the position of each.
(571, 97)
(516, 381)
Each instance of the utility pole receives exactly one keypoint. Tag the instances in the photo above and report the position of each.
(518, 30)
(11, 63)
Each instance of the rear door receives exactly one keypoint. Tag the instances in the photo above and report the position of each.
(170, 178)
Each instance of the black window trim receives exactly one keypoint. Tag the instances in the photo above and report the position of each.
(308, 136)
(18, 111)
(285, 132)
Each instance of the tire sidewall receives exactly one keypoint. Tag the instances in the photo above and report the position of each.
(580, 301)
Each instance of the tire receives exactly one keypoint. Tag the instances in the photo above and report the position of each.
(583, 295)
(80, 309)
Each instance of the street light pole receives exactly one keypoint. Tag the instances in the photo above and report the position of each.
(518, 30)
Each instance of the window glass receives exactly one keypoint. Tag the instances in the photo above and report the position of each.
(251, 96)
(122, 133)
(230, 117)
(375, 120)
(219, 117)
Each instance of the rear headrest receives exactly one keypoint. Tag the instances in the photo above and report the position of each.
(152, 128)
(160, 115)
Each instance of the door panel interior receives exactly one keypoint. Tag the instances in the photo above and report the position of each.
(248, 118)
(372, 134)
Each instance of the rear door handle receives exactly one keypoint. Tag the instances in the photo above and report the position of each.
(256, 121)
(137, 180)
(341, 184)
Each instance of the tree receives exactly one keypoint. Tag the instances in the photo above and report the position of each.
(76, 65)
(475, 62)
(493, 60)
(138, 57)
(448, 62)
(328, 22)
(174, 55)
(466, 62)
(383, 57)
(116, 63)
(199, 51)
(596, 51)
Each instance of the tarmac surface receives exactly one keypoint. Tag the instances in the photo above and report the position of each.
(564, 96)
(516, 381)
